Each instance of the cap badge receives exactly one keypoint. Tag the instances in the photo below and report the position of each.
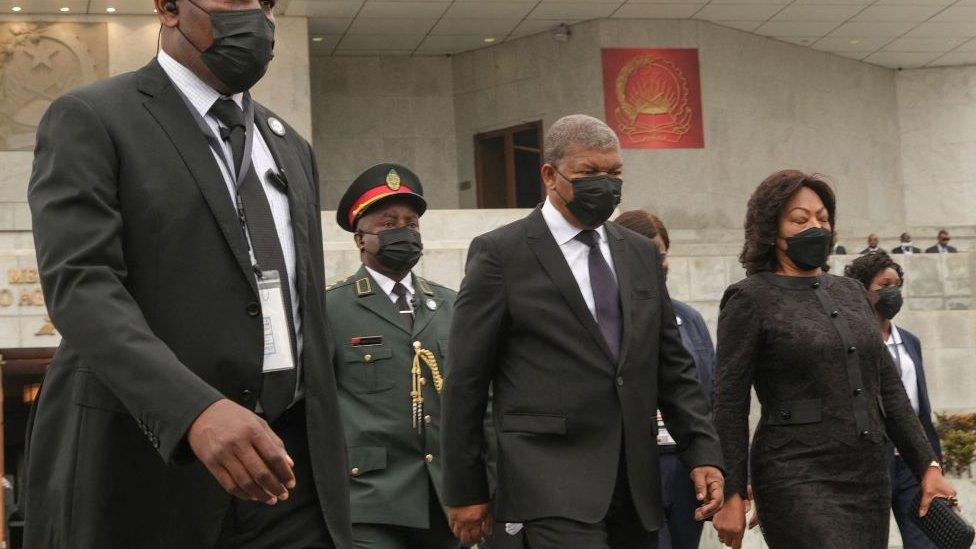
(393, 180)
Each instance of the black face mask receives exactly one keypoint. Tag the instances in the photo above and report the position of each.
(242, 48)
(594, 198)
(809, 249)
(889, 302)
(400, 249)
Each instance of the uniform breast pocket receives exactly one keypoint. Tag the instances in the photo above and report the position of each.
(369, 369)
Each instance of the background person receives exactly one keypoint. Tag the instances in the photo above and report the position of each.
(906, 246)
(872, 245)
(942, 244)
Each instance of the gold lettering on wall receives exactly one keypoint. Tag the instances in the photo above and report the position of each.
(6, 298)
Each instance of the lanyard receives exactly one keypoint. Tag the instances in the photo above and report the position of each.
(237, 175)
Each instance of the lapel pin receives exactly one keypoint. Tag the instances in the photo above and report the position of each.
(431, 304)
(276, 126)
(678, 318)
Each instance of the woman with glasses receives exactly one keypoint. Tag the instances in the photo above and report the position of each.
(883, 279)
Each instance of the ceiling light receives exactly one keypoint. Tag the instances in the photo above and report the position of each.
(65, 9)
(110, 9)
(16, 8)
(318, 38)
(489, 40)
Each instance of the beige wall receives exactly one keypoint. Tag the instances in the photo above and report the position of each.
(369, 110)
(937, 112)
(131, 44)
(767, 105)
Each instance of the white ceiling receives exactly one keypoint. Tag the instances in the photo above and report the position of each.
(890, 33)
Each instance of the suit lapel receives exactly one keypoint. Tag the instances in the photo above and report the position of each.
(620, 256)
(371, 296)
(544, 247)
(290, 170)
(171, 112)
(423, 315)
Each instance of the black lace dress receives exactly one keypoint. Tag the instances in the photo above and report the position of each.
(830, 398)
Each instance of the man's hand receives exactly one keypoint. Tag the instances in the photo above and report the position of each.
(730, 522)
(471, 524)
(709, 489)
(242, 452)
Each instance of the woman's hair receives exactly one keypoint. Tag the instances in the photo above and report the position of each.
(764, 210)
(866, 267)
(644, 223)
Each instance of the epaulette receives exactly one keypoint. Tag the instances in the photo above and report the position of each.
(337, 284)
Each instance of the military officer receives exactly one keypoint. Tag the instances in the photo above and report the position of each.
(391, 330)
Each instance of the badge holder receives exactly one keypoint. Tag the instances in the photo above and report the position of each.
(277, 341)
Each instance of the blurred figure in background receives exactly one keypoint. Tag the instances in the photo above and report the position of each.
(681, 530)
(942, 246)
(906, 246)
(883, 279)
(872, 245)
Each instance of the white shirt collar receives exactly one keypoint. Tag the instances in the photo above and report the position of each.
(200, 94)
(562, 230)
(387, 283)
(895, 337)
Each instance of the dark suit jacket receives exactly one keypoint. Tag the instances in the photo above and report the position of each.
(935, 249)
(898, 250)
(868, 250)
(698, 342)
(146, 275)
(562, 406)
(914, 348)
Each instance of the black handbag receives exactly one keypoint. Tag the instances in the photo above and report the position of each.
(945, 527)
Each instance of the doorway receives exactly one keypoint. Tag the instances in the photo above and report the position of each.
(507, 163)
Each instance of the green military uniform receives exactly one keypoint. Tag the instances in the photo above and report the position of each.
(392, 464)
(389, 371)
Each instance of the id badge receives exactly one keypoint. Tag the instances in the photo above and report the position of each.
(664, 438)
(277, 340)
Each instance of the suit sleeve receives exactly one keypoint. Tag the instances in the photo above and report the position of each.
(679, 394)
(479, 316)
(901, 422)
(739, 338)
(73, 195)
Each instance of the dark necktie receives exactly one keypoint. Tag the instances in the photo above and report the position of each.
(402, 305)
(277, 388)
(606, 296)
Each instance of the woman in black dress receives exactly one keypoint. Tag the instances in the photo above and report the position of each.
(808, 341)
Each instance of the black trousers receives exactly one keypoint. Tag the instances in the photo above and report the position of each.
(681, 530)
(904, 486)
(620, 529)
(296, 523)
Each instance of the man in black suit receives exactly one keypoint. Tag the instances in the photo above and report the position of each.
(906, 247)
(568, 318)
(192, 402)
(942, 245)
(872, 245)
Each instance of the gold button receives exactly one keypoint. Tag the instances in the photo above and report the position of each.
(355, 471)
(423, 381)
(416, 344)
(368, 358)
(428, 419)
(429, 458)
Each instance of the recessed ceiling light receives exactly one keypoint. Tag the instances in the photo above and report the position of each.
(16, 8)
(855, 42)
(318, 38)
(110, 9)
(489, 39)
(65, 9)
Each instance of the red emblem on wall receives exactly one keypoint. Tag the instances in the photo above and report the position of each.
(652, 98)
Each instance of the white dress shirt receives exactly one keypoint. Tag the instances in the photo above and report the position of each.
(386, 284)
(904, 362)
(575, 252)
(202, 97)
(907, 248)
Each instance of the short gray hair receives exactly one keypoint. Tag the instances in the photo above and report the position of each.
(577, 130)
